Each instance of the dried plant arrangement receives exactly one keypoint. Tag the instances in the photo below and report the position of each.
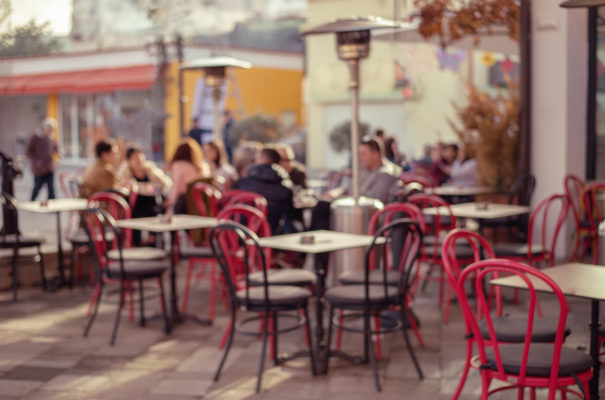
(489, 127)
(453, 19)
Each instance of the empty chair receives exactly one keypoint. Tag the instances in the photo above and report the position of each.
(125, 271)
(236, 249)
(510, 329)
(370, 298)
(545, 223)
(16, 241)
(527, 364)
(353, 277)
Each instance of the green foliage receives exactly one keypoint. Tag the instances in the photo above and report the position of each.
(340, 136)
(260, 128)
(29, 39)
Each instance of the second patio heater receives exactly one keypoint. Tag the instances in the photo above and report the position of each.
(215, 72)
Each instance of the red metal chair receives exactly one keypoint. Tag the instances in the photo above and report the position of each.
(227, 195)
(251, 199)
(124, 271)
(594, 206)
(541, 236)
(381, 218)
(574, 188)
(207, 199)
(436, 227)
(527, 364)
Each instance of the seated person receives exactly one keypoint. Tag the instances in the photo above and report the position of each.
(296, 170)
(187, 165)
(463, 171)
(147, 180)
(270, 180)
(379, 177)
(101, 175)
(224, 174)
(442, 156)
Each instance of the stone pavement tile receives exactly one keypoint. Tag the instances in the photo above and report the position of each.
(182, 387)
(94, 362)
(207, 359)
(73, 383)
(17, 388)
(29, 373)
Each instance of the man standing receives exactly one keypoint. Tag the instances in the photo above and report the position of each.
(41, 149)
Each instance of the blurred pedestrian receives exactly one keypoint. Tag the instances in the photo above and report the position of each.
(41, 150)
(228, 122)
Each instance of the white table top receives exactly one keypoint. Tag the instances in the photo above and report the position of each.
(178, 222)
(54, 206)
(574, 279)
(324, 241)
(469, 210)
(450, 190)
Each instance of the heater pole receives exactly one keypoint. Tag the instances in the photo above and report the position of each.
(355, 140)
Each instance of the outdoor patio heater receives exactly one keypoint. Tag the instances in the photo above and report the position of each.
(352, 214)
(215, 72)
(353, 45)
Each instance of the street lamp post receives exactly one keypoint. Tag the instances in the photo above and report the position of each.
(215, 70)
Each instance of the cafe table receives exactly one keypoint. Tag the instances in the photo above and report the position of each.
(452, 190)
(56, 206)
(577, 280)
(479, 210)
(172, 225)
(319, 243)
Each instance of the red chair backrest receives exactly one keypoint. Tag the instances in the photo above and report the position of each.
(251, 199)
(483, 270)
(423, 180)
(95, 223)
(547, 210)
(227, 195)
(203, 192)
(251, 218)
(574, 186)
(117, 207)
(452, 264)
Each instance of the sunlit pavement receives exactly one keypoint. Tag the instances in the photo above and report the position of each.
(44, 356)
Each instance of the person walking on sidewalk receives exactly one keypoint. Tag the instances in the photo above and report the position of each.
(41, 150)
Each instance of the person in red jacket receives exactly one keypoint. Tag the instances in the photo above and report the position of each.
(41, 150)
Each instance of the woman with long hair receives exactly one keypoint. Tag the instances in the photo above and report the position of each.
(187, 165)
(223, 173)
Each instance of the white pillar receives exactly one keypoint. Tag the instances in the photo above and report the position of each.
(559, 82)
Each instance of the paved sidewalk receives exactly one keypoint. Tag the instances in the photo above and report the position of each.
(44, 356)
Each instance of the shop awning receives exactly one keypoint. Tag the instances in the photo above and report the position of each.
(85, 81)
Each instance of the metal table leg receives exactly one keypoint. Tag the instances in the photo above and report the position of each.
(594, 349)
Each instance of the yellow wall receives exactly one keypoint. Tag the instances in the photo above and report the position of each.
(264, 90)
(52, 111)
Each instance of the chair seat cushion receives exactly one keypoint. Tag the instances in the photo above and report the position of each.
(355, 294)
(293, 277)
(516, 249)
(278, 295)
(376, 277)
(137, 269)
(539, 361)
(138, 254)
(10, 241)
(513, 329)
(197, 252)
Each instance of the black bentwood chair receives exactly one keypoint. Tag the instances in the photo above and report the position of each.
(17, 241)
(377, 293)
(238, 253)
(121, 270)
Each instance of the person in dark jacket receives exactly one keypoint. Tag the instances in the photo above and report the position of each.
(270, 180)
(41, 150)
